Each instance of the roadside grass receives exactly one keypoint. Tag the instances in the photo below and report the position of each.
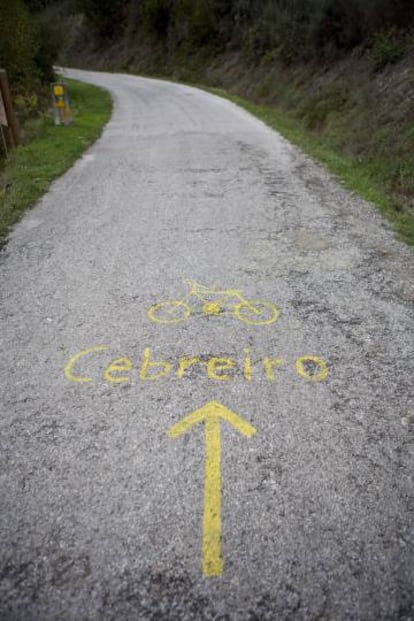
(49, 151)
(364, 176)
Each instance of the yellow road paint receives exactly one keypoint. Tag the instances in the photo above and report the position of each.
(212, 308)
(248, 368)
(147, 365)
(323, 370)
(169, 312)
(257, 312)
(123, 369)
(270, 364)
(215, 302)
(186, 363)
(211, 415)
(216, 365)
(212, 554)
(119, 365)
(68, 370)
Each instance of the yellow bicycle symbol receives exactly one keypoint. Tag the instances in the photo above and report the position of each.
(215, 302)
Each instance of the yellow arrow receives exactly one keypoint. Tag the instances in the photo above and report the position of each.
(210, 414)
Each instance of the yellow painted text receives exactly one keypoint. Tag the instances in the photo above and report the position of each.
(83, 367)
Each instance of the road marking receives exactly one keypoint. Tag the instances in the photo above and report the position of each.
(214, 302)
(72, 361)
(122, 369)
(118, 365)
(163, 366)
(186, 363)
(318, 372)
(211, 415)
(215, 366)
(248, 366)
(270, 364)
(218, 368)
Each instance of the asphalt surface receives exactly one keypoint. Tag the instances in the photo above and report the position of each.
(101, 510)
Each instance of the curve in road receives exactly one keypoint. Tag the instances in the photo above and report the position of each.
(195, 271)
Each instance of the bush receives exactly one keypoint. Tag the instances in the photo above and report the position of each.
(389, 46)
(334, 25)
(194, 25)
(51, 28)
(290, 29)
(156, 16)
(105, 17)
(29, 46)
(17, 44)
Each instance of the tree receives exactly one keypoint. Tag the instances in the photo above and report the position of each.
(17, 42)
(106, 17)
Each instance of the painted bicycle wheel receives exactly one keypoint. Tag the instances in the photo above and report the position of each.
(169, 312)
(257, 313)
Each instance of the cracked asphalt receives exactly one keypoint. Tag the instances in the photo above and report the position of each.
(101, 511)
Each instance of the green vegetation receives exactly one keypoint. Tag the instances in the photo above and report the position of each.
(361, 176)
(335, 76)
(32, 34)
(389, 46)
(290, 29)
(18, 44)
(49, 151)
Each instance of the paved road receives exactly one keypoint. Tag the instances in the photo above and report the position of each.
(289, 493)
